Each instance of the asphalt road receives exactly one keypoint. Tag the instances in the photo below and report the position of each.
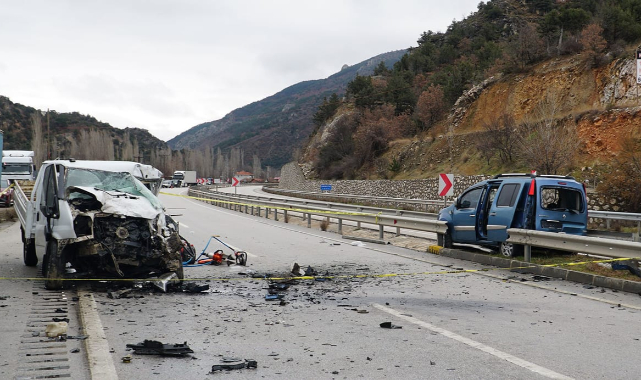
(454, 325)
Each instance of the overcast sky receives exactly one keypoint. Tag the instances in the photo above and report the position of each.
(168, 65)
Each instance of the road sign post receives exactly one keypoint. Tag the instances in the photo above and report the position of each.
(234, 183)
(445, 186)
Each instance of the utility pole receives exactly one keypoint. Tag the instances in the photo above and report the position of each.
(48, 137)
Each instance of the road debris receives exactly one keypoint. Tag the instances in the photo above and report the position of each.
(55, 329)
(389, 325)
(162, 281)
(195, 288)
(154, 347)
(123, 293)
(236, 364)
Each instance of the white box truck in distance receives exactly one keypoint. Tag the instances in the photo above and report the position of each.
(18, 164)
(186, 177)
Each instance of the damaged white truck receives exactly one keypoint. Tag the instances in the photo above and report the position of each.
(94, 219)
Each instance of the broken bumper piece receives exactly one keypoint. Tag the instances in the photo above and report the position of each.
(248, 363)
(153, 347)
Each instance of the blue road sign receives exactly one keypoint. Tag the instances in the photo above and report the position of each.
(326, 187)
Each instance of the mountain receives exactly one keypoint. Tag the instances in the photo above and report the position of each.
(273, 128)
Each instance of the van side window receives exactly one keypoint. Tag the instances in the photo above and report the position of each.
(561, 199)
(470, 199)
(508, 194)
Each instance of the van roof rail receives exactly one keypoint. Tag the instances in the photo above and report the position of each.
(528, 175)
(512, 175)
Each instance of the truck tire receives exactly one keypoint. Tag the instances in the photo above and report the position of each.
(54, 265)
(510, 250)
(28, 251)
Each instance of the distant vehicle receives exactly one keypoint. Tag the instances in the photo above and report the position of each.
(186, 177)
(6, 199)
(167, 183)
(484, 212)
(18, 164)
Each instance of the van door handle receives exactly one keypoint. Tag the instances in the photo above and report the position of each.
(472, 215)
(492, 214)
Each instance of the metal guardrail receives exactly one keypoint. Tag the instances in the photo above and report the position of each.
(575, 243)
(285, 206)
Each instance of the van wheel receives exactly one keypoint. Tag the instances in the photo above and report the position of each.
(54, 265)
(510, 250)
(444, 240)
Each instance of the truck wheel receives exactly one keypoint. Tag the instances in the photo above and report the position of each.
(510, 250)
(55, 266)
(29, 253)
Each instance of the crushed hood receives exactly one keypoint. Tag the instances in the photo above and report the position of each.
(119, 203)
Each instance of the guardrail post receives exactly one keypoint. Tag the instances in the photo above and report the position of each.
(398, 229)
(358, 224)
(285, 219)
(276, 214)
(252, 210)
(340, 226)
(380, 231)
(527, 253)
(258, 209)
(309, 220)
(267, 212)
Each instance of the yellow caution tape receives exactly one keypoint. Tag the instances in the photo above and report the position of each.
(382, 275)
(7, 189)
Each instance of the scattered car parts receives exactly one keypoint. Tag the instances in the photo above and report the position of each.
(154, 347)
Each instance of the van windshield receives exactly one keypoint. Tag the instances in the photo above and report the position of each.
(561, 199)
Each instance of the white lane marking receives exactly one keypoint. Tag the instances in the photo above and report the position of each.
(479, 346)
(101, 365)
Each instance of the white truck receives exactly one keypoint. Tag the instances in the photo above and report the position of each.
(186, 177)
(91, 218)
(18, 164)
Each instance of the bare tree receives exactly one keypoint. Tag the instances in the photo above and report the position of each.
(547, 143)
(525, 47)
(500, 138)
(256, 167)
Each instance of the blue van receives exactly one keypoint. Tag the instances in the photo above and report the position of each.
(482, 214)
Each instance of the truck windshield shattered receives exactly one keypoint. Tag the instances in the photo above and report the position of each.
(109, 182)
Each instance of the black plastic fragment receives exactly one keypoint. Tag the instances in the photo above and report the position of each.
(248, 363)
(153, 347)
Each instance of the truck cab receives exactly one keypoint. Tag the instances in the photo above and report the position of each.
(18, 164)
(96, 218)
(482, 214)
